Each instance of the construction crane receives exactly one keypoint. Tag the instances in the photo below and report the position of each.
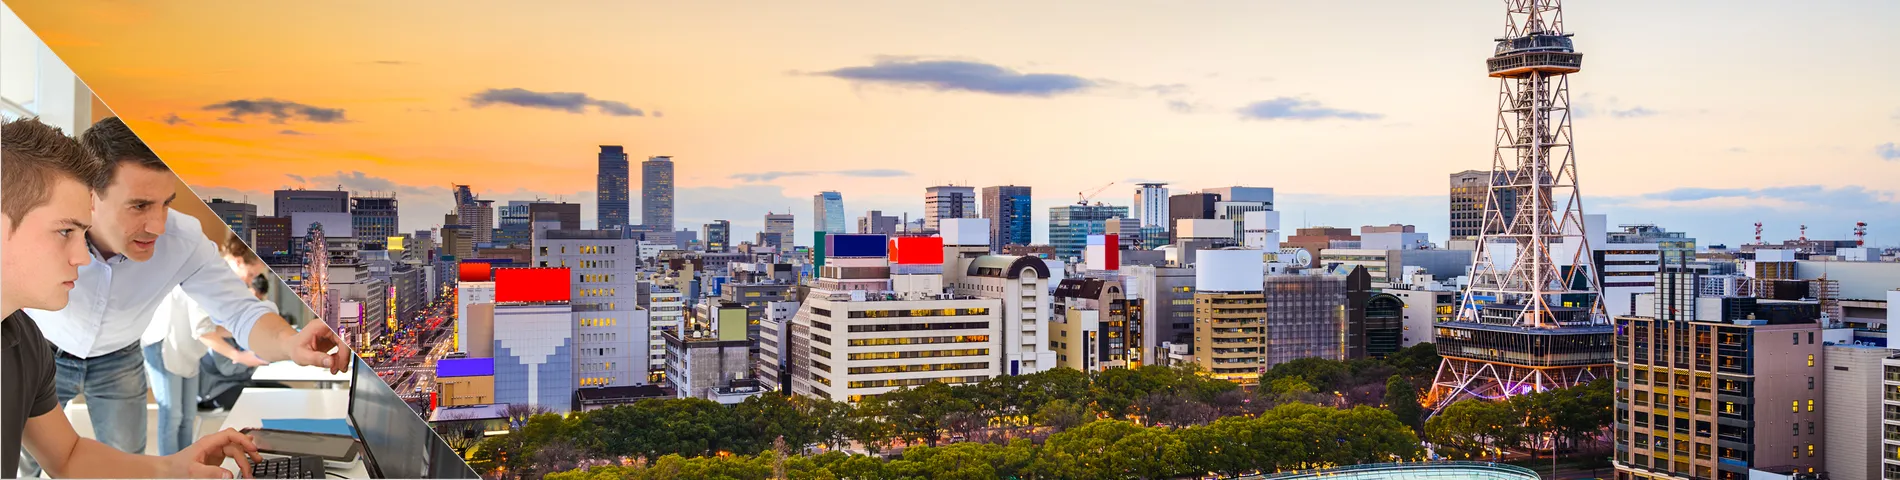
(1083, 198)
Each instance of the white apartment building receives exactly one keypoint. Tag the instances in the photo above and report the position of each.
(609, 325)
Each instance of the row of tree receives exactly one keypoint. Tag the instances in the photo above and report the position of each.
(994, 411)
(1572, 417)
(1287, 437)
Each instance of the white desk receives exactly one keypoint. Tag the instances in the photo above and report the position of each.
(257, 404)
(287, 371)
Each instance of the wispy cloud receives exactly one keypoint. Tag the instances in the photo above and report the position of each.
(1635, 112)
(1888, 151)
(775, 175)
(1809, 195)
(292, 132)
(1184, 106)
(174, 119)
(390, 62)
(961, 75)
(279, 111)
(571, 102)
(1289, 108)
(298, 178)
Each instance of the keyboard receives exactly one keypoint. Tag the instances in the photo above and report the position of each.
(289, 467)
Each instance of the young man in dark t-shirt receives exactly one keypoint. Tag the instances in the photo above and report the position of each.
(45, 209)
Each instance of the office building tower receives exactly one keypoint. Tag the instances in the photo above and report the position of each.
(1071, 225)
(873, 323)
(1235, 202)
(1734, 385)
(718, 236)
(948, 201)
(534, 353)
(828, 212)
(774, 335)
(1023, 285)
(1230, 314)
(1151, 205)
(1890, 416)
(656, 198)
(875, 222)
(240, 216)
(374, 220)
(1470, 190)
(286, 202)
(782, 230)
(614, 211)
(517, 220)
(1191, 206)
(1097, 330)
(271, 237)
(609, 325)
(1851, 411)
(1677, 247)
(1007, 208)
(1168, 317)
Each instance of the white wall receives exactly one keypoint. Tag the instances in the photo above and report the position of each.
(33, 81)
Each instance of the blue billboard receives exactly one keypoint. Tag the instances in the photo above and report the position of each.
(856, 245)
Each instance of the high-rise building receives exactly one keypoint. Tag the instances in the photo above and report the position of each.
(1098, 333)
(783, 227)
(1151, 205)
(374, 219)
(1706, 386)
(1890, 416)
(1168, 296)
(1242, 194)
(948, 201)
(476, 214)
(713, 363)
(1469, 192)
(534, 354)
(1677, 247)
(1007, 208)
(1852, 413)
(272, 237)
(873, 323)
(611, 189)
(1071, 225)
(286, 202)
(656, 198)
(718, 236)
(1191, 206)
(1022, 284)
(828, 212)
(875, 222)
(518, 216)
(609, 325)
(239, 215)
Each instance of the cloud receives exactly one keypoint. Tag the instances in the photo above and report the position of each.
(1794, 196)
(960, 75)
(298, 178)
(391, 62)
(1887, 151)
(658, 114)
(292, 132)
(1288, 108)
(1183, 106)
(1635, 112)
(174, 119)
(774, 175)
(571, 102)
(279, 111)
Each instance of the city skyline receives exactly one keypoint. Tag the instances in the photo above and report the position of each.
(1191, 104)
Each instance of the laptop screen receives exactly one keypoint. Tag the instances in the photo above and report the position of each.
(395, 440)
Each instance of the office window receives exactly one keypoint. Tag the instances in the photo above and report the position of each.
(1810, 449)
(1797, 337)
(1795, 407)
(1810, 428)
(1810, 383)
(1810, 404)
(1810, 359)
(1810, 338)
(1797, 429)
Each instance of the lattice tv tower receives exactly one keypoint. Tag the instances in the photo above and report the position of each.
(1531, 319)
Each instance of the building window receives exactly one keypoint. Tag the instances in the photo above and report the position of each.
(1810, 404)
(1810, 338)
(1810, 383)
(1810, 359)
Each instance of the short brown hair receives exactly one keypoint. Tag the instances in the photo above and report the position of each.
(115, 144)
(32, 156)
(236, 248)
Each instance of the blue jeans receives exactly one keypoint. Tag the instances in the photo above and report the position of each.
(114, 385)
(177, 402)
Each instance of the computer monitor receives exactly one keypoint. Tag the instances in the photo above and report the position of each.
(395, 440)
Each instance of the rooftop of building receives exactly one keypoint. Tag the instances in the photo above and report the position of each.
(487, 411)
(621, 393)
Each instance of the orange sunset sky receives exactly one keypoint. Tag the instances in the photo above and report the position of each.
(1704, 116)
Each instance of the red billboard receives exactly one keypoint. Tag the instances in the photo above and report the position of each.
(475, 272)
(917, 250)
(532, 285)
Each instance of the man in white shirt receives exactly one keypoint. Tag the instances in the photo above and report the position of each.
(140, 250)
(47, 208)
